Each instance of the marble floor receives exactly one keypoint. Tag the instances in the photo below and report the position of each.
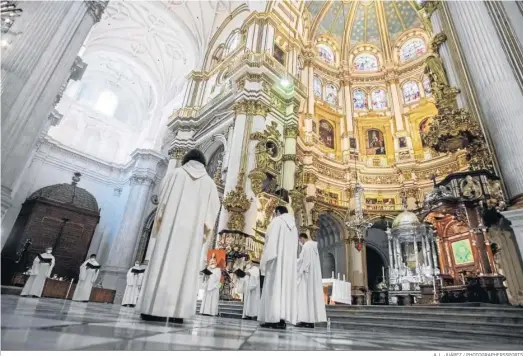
(51, 324)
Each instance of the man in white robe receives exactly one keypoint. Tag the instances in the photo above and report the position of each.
(251, 291)
(211, 290)
(278, 266)
(187, 212)
(88, 274)
(311, 303)
(41, 270)
(134, 284)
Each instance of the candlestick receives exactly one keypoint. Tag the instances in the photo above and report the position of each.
(383, 272)
(332, 275)
(338, 276)
(343, 278)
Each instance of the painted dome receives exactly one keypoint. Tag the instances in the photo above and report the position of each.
(67, 194)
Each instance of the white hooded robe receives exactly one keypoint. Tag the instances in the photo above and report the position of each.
(211, 294)
(188, 201)
(39, 273)
(87, 277)
(251, 292)
(134, 284)
(278, 265)
(311, 303)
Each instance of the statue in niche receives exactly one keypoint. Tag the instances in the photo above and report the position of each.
(470, 188)
(326, 134)
(402, 142)
(352, 143)
(423, 129)
(375, 142)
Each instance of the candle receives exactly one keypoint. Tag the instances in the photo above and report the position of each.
(332, 275)
(383, 271)
(338, 276)
(343, 278)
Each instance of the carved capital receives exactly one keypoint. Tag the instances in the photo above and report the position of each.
(257, 177)
(96, 9)
(141, 180)
(430, 6)
(251, 107)
(310, 178)
(257, 136)
(177, 153)
(291, 131)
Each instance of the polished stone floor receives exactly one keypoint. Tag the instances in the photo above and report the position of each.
(51, 324)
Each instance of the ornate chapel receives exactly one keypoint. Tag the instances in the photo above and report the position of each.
(390, 129)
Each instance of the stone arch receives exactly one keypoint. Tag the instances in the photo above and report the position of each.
(330, 237)
(328, 265)
(147, 229)
(376, 265)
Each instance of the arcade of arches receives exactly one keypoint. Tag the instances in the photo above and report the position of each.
(292, 102)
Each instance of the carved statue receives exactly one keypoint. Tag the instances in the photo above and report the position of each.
(470, 188)
(435, 71)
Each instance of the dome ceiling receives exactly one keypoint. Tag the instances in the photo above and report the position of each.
(353, 22)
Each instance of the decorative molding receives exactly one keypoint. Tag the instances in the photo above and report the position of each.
(96, 9)
(437, 41)
(141, 180)
(55, 117)
(291, 131)
(251, 107)
(289, 157)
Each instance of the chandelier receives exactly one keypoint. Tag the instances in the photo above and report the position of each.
(356, 223)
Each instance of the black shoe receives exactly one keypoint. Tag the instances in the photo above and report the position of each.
(309, 325)
(301, 325)
(269, 325)
(147, 317)
(178, 320)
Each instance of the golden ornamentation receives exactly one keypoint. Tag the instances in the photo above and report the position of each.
(291, 131)
(413, 192)
(237, 203)
(272, 131)
(368, 179)
(310, 178)
(258, 136)
(177, 153)
(430, 7)
(257, 177)
(288, 157)
(251, 107)
(296, 201)
(218, 175)
(436, 71)
(437, 41)
(310, 199)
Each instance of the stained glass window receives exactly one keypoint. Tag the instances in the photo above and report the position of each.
(317, 87)
(379, 99)
(331, 94)
(412, 49)
(410, 92)
(426, 86)
(360, 99)
(365, 63)
(326, 53)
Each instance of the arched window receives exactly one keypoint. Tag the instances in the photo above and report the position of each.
(410, 92)
(107, 103)
(426, 86)
(412, 49)
(326, 53)
(379, 99)
(360, 100)
(365, 63)
(331, 94)
(317, 87)
(233, 42)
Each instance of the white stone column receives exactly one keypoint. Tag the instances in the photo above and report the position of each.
(42, 46)
(495, 83)
(289, 157)
(396, 103)
(516, 218)
(348, 108)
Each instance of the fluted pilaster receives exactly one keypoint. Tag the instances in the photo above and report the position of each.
(501, 99)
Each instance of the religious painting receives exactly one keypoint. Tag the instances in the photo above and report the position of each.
(352, 143)
(389, 201)
(365, 63)
(402, 142)
(279, 54)
(426, 86)
(326, 134)
(423, 129)
(317, 87)
(331, 94)
(379, 99)
(371, 201)
(410, 92)
(375, 142)
(219, 257)
(326, 53)
(412, 49)
(314, 126)
(272, 149)
(462, 252)
(360, 100)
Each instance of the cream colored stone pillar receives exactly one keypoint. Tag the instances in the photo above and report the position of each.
(396, 103)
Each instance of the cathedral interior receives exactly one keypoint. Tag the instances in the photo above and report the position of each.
(390, 129)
